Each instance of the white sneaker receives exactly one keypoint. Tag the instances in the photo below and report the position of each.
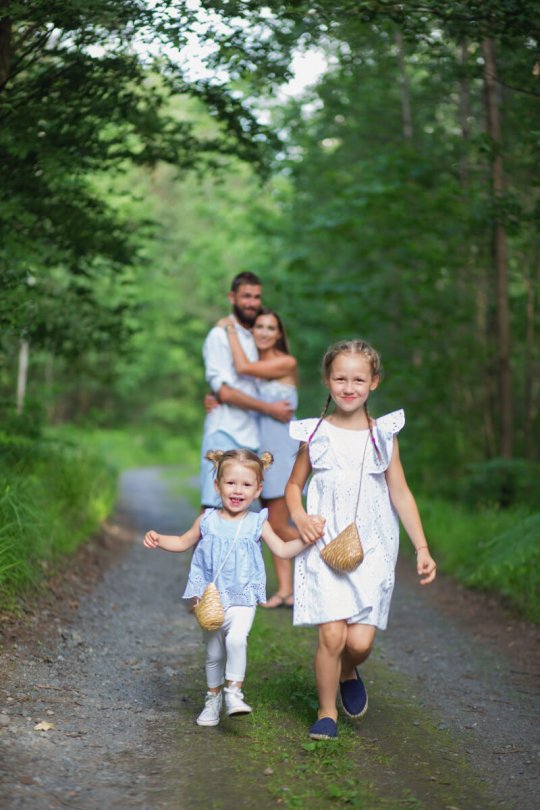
(234, 701)
(212, 709)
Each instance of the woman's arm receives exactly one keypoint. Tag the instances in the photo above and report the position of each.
(310, 527)
(174, 542)
(407, 509)
(283, 550)
(270, 369)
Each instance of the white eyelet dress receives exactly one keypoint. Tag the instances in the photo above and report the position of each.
(320, 593)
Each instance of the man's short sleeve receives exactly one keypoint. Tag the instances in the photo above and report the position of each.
(219, 369)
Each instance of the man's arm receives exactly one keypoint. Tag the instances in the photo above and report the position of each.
(282, 411)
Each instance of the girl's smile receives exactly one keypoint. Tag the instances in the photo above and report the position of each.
(238, 487)
(351, 381)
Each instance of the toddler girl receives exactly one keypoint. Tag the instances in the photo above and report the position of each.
(229, 543)
(348, 608)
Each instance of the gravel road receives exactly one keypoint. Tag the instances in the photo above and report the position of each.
(98, 694)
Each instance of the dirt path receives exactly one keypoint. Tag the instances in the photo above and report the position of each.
(118, 671)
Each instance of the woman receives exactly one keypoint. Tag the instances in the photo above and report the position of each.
(276, 380)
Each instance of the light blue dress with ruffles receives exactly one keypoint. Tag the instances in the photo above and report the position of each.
(336, 455)
(242, 580)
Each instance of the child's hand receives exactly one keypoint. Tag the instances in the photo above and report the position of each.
(425, 566)
(151, 539)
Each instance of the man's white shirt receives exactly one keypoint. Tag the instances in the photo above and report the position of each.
(220, 370)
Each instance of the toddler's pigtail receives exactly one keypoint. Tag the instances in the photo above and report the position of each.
(323, 414)
(372, 437)
(215, 456)
(266, 459)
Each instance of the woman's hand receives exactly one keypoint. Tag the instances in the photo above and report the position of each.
(210, 402)
(151, 539)
(425, 566)
(224, 322)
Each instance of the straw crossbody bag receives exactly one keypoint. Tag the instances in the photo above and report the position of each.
(209, 610)
(345, 553)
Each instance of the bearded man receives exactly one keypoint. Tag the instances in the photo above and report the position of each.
(233, 422)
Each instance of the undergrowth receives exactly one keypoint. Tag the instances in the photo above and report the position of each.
(52, 497)
(132, 447)
(490, 549)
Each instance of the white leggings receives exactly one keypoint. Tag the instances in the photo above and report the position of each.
(226, 648)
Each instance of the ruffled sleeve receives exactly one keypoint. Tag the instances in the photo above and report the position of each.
(384, 431)
(261, 517)
(301, 429)
(205, 518)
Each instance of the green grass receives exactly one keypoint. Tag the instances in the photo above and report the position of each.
(304, 772)
(56, 490)
(137, 447)
(494, 550)
(396, 758)
(52, 497)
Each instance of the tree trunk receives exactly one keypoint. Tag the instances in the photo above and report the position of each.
(406, 116)
(22, 376)
(5, 46)
(499, 250)
(531, 379)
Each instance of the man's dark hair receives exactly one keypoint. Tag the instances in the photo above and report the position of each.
(245, 278)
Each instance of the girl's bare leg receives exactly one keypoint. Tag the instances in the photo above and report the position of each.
(278, 517)
(358, 646)
(332, 639)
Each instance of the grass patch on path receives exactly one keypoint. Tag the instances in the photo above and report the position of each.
(397, 757)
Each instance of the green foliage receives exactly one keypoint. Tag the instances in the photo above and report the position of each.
(85, 92)
(502, 482)
(123, 449)
(490, 549)
(52, 497)
(509, 564)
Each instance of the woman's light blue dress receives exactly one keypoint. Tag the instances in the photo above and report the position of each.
(242, 581)
(274, 436)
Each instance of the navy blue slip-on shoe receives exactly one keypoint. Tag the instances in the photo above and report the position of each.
(323, 729)
(354, 697)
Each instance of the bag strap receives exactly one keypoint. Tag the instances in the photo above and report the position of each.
(220, 569)
(361, 476)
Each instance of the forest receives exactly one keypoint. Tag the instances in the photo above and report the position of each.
(150, 151)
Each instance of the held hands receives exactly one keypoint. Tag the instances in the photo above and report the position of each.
(310, 528)
(425, 566)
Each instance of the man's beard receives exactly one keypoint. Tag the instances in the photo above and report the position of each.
(245, 319)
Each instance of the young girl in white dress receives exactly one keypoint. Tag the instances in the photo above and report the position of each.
(349, 607)
(229, 546)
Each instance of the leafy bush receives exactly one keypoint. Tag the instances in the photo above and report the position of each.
(503, 482)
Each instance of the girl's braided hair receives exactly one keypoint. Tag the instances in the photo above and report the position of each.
(248, 458)
(350, 347)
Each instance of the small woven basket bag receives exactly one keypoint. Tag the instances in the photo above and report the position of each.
(209, 610)
(345, 553)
